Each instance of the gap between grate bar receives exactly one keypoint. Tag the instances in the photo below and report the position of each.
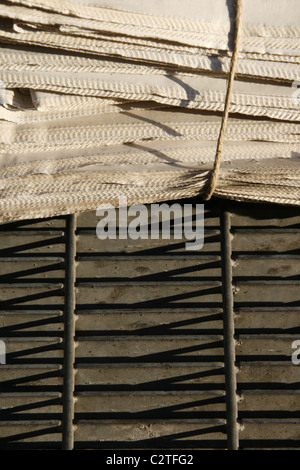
(69, 335)
(228, 328)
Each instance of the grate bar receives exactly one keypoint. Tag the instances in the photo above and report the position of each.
(229, 342)
(69, 335)
(143, 257)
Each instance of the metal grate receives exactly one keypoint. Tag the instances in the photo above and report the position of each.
(169, 349)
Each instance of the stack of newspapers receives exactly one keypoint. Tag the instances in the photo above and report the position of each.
(107, 98)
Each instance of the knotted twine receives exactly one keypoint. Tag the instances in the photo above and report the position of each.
(237, 30)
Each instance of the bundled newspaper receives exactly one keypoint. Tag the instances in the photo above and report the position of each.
(107, 98)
